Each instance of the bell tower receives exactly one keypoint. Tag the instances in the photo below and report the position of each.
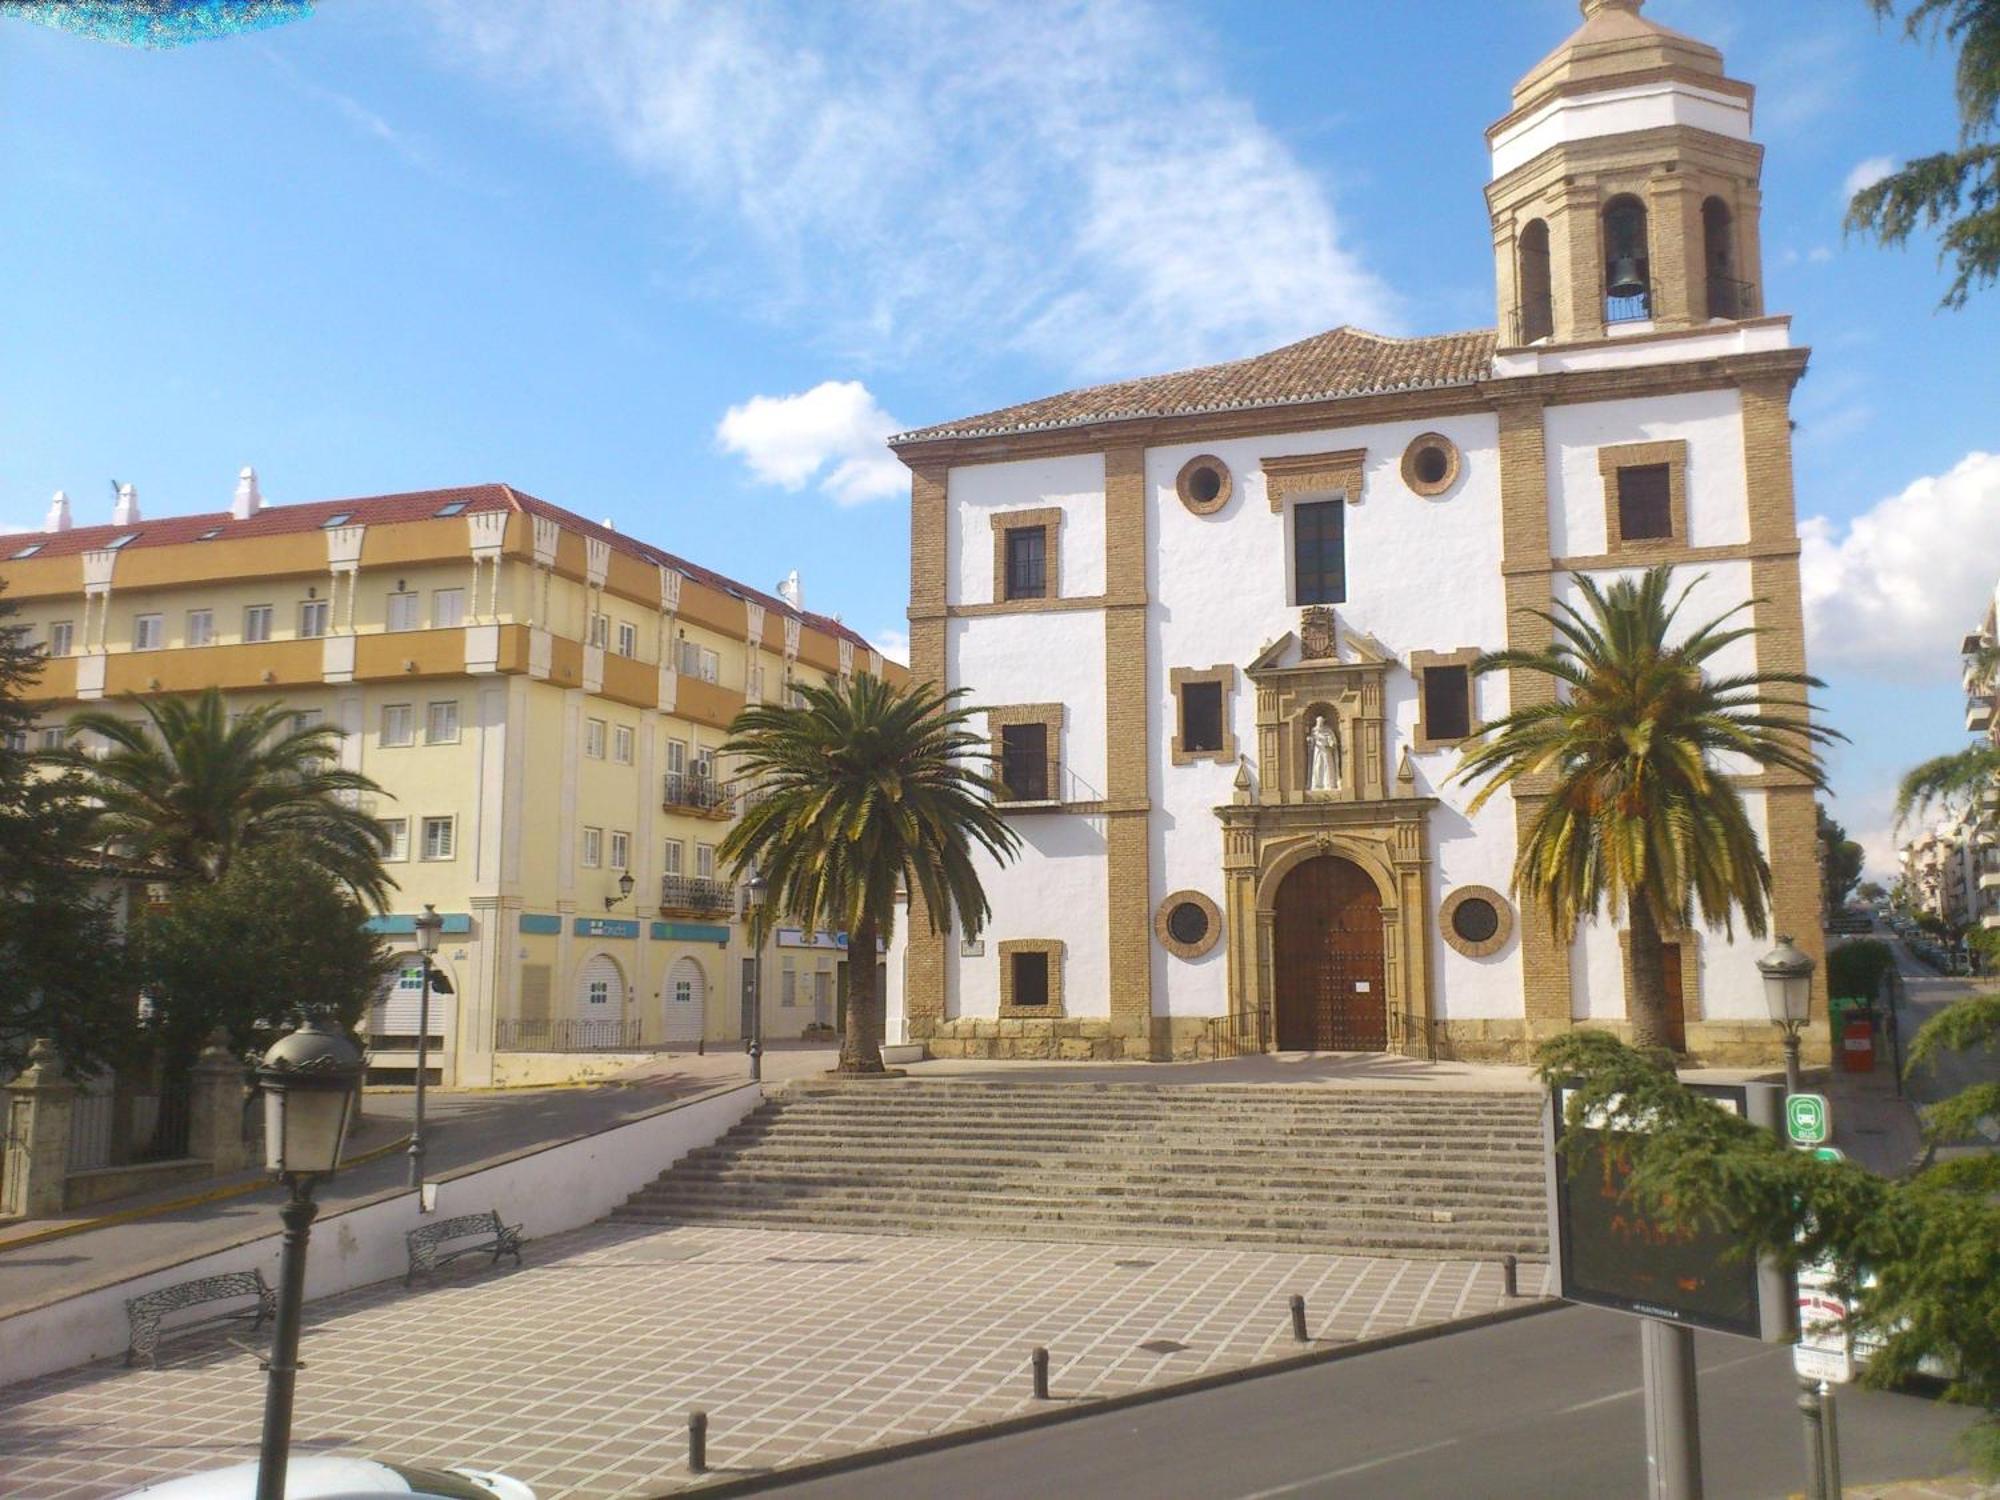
(1625, 192)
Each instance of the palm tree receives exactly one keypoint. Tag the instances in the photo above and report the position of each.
(179, 794)
(1952, 780)
(865, 788)
(1640, 818)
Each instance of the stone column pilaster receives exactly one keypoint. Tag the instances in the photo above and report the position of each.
(38, 1113)
(215, 1109)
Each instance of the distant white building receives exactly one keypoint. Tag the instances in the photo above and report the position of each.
(1223, 619)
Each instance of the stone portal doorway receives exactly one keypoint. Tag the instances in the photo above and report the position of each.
(1329, 980)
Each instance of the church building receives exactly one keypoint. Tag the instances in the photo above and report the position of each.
(1221, 622)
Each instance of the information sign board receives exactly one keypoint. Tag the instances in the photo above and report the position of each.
(1609, 1254)
(1808, 1120)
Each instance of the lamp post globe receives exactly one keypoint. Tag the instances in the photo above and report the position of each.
(310, 1080)
(755, 893)
(1787, 973)
(430, 927)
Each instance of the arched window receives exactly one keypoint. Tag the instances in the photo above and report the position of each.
(1728, 295)
(1535, 318)
(1628, 273)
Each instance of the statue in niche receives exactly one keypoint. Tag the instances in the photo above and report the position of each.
(1322, 756)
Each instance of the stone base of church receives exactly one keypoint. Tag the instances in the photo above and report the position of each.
(1710, 1044)
(1062, 1039)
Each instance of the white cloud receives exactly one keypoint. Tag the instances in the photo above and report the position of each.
(893, 644)
(1073, 180)
(1893, 594)
(1866, 174)
(835, 433)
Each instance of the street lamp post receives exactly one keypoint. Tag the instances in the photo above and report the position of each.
(310, 1080)
(429, 927)
(1788, 995)
(757, 891)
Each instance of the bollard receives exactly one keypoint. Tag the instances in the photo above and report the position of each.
(1510, 1286)
(1040, 1364)
(1299, 1318)
(697, 1442)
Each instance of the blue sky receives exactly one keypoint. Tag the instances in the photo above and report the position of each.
(683, 266)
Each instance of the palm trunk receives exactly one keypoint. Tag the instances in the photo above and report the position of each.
(861, 1042)
(1646, 1007)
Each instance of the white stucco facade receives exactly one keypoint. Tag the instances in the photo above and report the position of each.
(1330, 535)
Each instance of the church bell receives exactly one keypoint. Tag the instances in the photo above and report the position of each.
(1625, 278)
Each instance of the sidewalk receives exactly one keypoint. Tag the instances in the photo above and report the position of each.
(462, 1128)
(367, 1141)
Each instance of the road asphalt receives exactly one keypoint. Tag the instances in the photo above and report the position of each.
(1548, 1406)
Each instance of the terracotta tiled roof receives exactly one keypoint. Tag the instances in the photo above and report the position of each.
(381, 510)
(1343, 362)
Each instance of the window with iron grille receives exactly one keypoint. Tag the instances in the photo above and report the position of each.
(1645, 502)
(1447, 703)
(1031, 978)
(1027, 562)
(1201, 716)
(1319, 552)
(1024, 762)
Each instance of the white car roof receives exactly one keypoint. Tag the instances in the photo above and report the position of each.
(307, 1477)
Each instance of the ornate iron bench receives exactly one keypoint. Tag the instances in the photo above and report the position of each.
(145, 1312)
(427, 1254)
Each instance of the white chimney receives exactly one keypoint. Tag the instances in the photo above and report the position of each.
(126, 511)
(249, 499)
(58, 513)
(790, 592)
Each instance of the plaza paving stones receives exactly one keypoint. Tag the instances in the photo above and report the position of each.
(577, 1372)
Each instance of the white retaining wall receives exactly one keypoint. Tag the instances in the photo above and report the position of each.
(546, 1190)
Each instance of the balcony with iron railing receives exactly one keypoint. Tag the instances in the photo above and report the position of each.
(1730, 298)
(1637, 308)
(692, 792)
(697, 896)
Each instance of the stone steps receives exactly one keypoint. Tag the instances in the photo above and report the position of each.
(1381, 1171)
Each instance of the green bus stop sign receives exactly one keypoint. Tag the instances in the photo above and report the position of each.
(1808, 1122)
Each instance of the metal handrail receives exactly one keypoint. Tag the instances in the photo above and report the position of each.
(568, 1034)
(1238, 1034)
(1628, 309)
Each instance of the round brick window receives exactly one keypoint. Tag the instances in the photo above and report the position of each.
(1204, 484)
(1477, 920)
(1187, 924)
(1431, 464)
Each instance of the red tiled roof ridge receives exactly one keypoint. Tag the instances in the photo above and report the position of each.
(389, 509)
(1305, 370)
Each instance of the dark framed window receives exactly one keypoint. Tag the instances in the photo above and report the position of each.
(1024, 762)
(1645, 503)
(1027, 562)
(1447, 703)
(1031, 979)
(1201, 716)
(1319, 552)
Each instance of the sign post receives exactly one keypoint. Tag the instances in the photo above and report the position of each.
(1607, 1253)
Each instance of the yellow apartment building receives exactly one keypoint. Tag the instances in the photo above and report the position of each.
(542, 701)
